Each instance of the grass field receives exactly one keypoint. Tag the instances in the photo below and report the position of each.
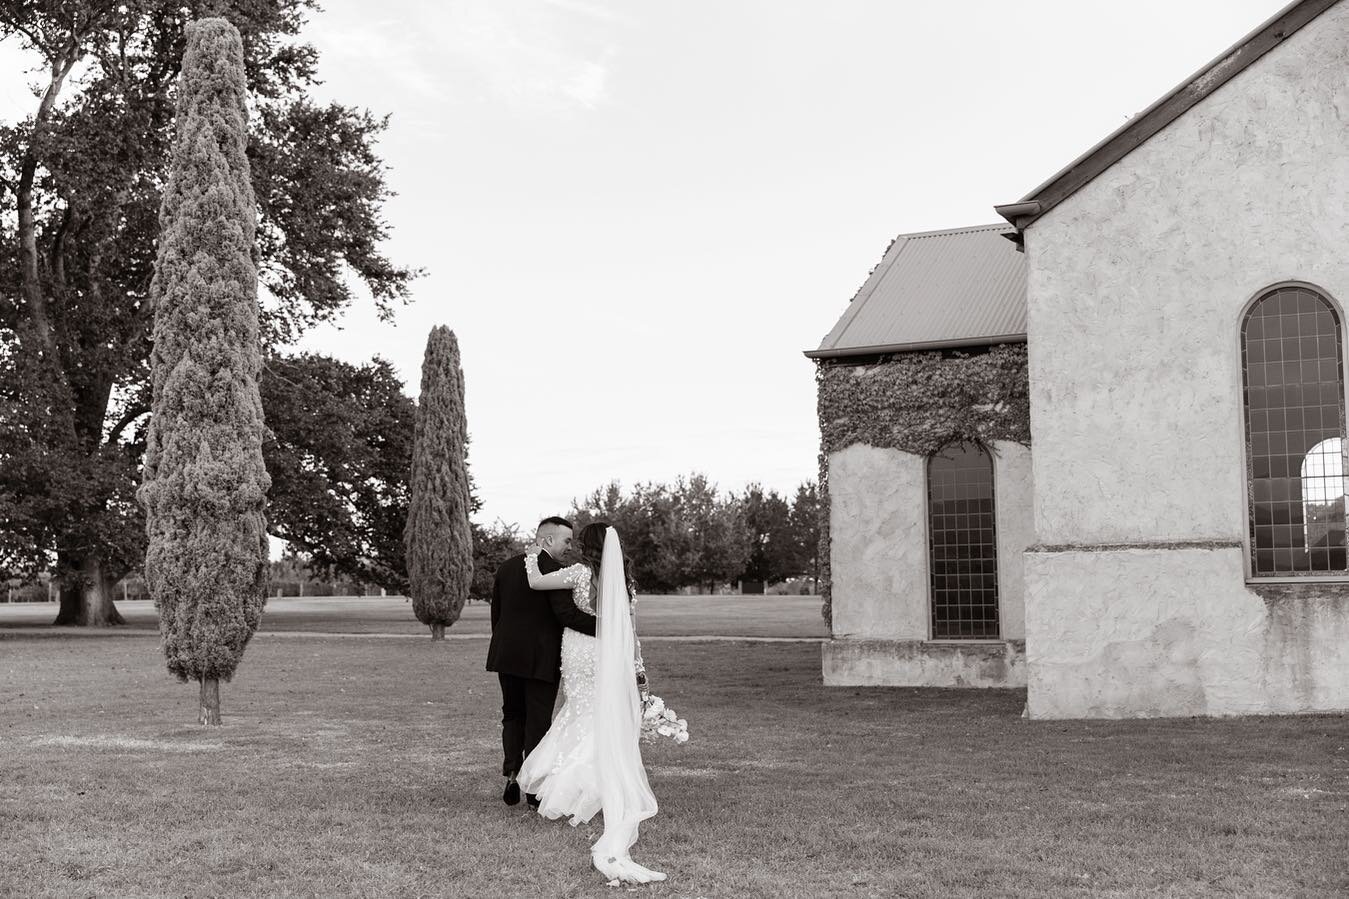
(368, 767)
(740, 616)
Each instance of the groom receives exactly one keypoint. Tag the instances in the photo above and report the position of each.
(526, 648)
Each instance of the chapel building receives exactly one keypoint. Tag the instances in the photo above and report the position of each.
(1175, 544)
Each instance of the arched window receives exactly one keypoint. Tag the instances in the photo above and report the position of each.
(1293, 375)
(963, 545)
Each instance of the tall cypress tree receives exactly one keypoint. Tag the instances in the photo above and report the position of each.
(438, 537)
(205, 484)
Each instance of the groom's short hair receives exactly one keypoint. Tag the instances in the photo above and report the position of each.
(556, 521)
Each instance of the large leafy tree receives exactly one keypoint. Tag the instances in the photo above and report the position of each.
(339, 451)
(492, 546)
(806, 530)
(711, 542)
(205, 484)
(772, 542)
(80, 188)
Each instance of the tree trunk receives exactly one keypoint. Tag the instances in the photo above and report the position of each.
(86, 595)
(437, 631)
(210, 702)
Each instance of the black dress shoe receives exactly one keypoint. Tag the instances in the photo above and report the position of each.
(532, 800)
(511, 796)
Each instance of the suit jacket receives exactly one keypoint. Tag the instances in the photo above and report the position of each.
(527, 624)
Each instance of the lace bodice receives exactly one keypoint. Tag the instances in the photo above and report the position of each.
(575, 576)
(579, 577)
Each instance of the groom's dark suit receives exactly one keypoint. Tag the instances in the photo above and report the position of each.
(526, 653)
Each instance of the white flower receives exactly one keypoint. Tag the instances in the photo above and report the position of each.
(668, 715)
(665, 730)
(682, 737)
(683, 725)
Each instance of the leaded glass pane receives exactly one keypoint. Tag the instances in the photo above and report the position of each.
(1293, 378)
(962, 544)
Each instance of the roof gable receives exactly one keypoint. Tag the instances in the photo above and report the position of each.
(1081, 171)
(962, 287)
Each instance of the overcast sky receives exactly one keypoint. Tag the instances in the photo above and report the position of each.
(637, 215)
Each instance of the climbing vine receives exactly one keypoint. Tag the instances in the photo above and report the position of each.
(918, 403)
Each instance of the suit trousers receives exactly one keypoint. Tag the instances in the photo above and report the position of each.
(526, 713)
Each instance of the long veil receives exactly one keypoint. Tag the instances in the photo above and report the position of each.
(625, 794)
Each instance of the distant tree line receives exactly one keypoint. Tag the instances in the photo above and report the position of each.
(339, 451)
(688, 534)
(681, 535)
(338, 448)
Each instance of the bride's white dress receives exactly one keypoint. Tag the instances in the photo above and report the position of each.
(598, 725)
(561, 769)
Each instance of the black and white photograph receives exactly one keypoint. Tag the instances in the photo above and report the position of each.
(504, 449)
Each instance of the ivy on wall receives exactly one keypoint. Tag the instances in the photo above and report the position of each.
(918, 403)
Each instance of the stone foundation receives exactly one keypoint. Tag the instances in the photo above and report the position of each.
(921, 663)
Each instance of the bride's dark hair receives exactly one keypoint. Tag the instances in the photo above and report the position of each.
(592, 545)
(592, 550)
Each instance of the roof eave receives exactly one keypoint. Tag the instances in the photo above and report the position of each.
(1171, 106)
(884, 349)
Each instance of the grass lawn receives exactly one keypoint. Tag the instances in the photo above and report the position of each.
(369, 767)
(739, 616)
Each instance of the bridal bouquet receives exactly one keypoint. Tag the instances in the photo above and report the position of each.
(659, 721)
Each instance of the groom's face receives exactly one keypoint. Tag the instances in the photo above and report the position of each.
(556, 540)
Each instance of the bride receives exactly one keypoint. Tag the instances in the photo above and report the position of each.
(598, 726)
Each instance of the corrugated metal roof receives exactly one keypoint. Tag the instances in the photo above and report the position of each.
(962, 287)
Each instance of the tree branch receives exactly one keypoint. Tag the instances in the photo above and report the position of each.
(28, 255)
(133, 412)
(38, 44)
(280, 377)
(57, 257)
(61, 64)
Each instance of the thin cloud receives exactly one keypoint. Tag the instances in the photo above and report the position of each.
(550, 55)
(589, 86)
(582, 8)
(382, 48)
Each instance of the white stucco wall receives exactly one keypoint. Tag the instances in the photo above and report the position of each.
(1153, 632)
(879, 569)
(1137, 284)
(878, 543)
(1012, 503)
